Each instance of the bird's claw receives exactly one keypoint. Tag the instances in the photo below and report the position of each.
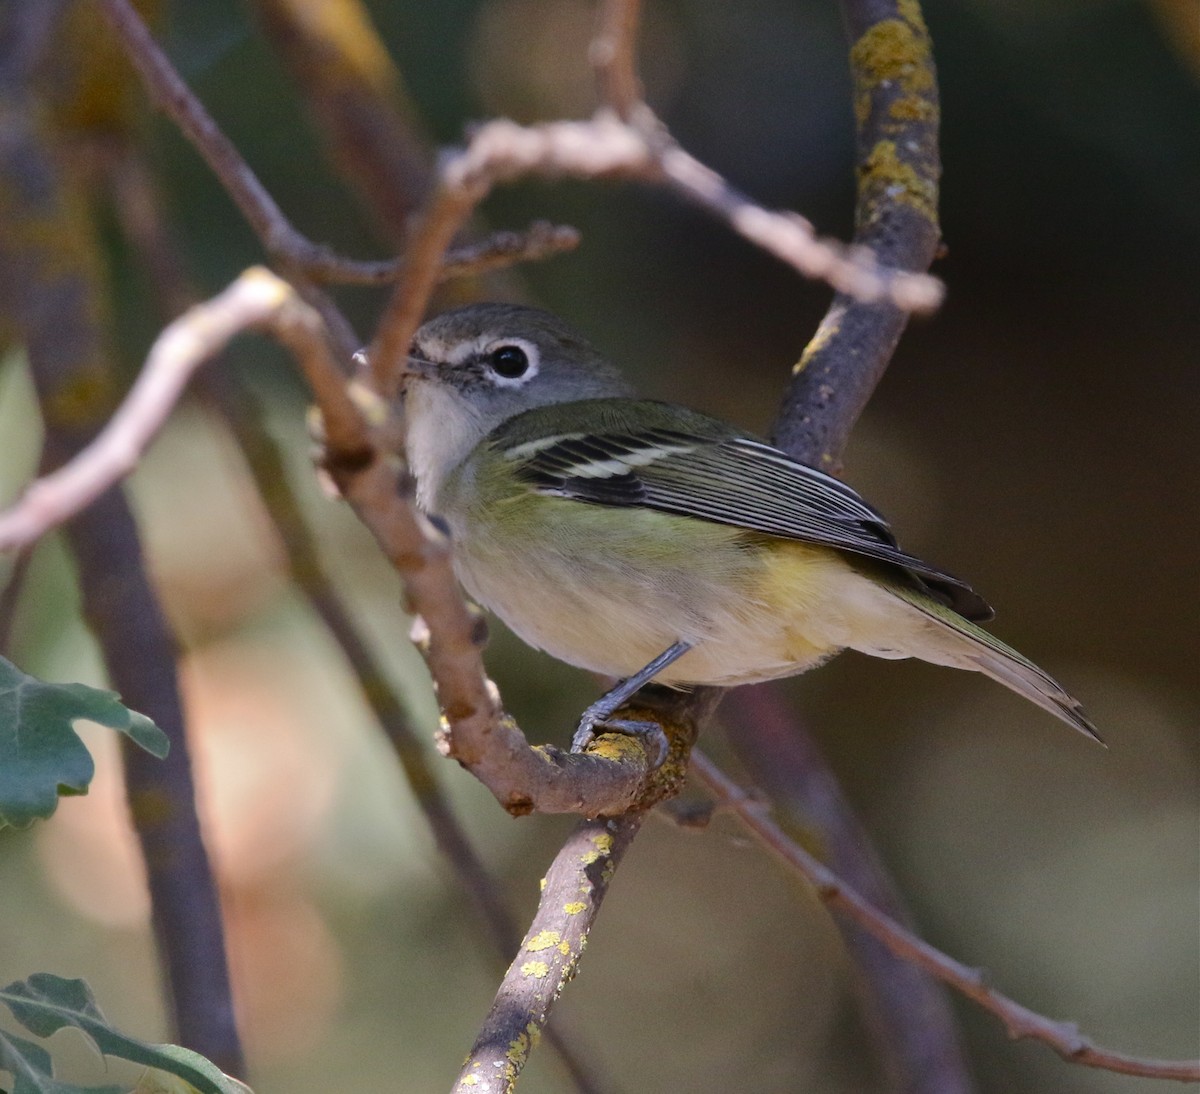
(653, 739)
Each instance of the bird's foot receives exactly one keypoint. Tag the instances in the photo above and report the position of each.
(597, 719)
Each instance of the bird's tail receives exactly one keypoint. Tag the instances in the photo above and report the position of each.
(958, 642)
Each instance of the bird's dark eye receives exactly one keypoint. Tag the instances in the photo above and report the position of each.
(509, 361)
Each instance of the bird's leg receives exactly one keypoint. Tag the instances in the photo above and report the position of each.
(600, 714)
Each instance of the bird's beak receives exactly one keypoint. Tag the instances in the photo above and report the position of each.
(420, 369)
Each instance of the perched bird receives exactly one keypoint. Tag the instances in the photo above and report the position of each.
(642, 540)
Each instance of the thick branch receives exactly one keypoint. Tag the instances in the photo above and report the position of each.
(52, 291)
(896, 111)
(1019, 1021)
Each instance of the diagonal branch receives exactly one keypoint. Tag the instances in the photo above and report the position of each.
(1019, 1021)
(303, 261)
(573, 890)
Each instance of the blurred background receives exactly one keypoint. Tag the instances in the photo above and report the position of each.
(1037, 437)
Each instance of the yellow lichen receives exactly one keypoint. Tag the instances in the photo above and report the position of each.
(518, 1049)
(543, 940)
(469, 1080)
(889, 176)
(895, 54)
(574, 908)
(617, 747)
(912, 108)
(564, 948)
(829, 327)
(535, 968)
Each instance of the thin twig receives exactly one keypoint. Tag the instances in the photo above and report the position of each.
(175, 98)
(182, 347)
(495, 251)
(604, 147)
(573, 890)
(1019, 1021)
(906, 1010)
(300, 258)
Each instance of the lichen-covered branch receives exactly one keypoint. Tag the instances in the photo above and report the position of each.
(1019, 1021)
(574, 888)
(896, 216)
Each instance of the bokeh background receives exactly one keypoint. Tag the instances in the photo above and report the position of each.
(1037, 436)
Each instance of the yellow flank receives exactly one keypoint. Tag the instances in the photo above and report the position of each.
(543, 940)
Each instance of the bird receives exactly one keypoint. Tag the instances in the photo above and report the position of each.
(645, 541)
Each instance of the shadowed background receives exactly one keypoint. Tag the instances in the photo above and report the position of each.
(1035, 437)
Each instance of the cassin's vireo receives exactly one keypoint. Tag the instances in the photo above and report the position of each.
(639, 539)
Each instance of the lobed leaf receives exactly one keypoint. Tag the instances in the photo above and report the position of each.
(45, 1003)
(41, 755)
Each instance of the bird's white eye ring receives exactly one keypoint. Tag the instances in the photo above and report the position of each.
(513, 361)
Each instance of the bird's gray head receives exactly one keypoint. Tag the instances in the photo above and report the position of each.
(510, 357)
(472, 368)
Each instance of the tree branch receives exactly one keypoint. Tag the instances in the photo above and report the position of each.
(300, 259)
(141, 215)
(896, 113)
(1019, 1021)
(51, 287)
(906, 1010)
(604, 147)
(574, 888)
(181, 348)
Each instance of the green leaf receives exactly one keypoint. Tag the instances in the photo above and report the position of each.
(41, 755)
(30, 1067)
(45, 1003)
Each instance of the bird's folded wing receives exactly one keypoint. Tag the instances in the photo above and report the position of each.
(722, 477)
